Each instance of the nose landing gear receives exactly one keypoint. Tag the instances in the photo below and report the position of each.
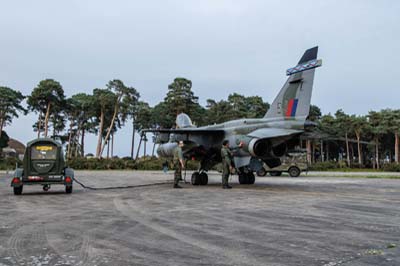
(199, 179)
(246, 176)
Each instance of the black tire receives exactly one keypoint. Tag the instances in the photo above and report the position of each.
(68, 189)
(203, 179)
(243, 179)
(18, 190)
(195, 179)
(275, 173)
(261, 172)
(251, 178)
(294, 171)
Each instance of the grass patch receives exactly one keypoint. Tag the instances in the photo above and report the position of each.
(391, 245)
(355, 170)
(375, 252)
(383, 176)
(335, 174)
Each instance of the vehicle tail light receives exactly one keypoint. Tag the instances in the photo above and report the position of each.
(16, 180)
(68, 179)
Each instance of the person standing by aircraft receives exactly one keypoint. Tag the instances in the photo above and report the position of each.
(178, 164)
(226, 156)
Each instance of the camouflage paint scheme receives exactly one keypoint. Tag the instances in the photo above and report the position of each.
(291, 160)
(253, 141)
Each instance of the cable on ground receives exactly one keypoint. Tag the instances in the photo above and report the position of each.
(120, 187)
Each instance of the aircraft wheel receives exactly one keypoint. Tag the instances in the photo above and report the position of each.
(251, 178)
(195, 179)
(294, 171)
(275, 173)
(68, 189)
(18, 190)
(203, 179)
(261, 172)
(243, 179)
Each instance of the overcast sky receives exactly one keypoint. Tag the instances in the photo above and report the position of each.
(222, 46)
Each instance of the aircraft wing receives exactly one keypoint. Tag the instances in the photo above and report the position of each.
(273, 133)
(199, 136)
(197, 140)
(186, 131)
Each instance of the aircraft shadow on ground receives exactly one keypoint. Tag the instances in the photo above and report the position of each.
(259, 187)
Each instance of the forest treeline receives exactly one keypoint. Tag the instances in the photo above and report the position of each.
(106, 110)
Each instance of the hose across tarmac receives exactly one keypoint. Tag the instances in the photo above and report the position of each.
(120, 187)
(131, 186)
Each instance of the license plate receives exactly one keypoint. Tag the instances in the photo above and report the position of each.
(35, 178)
(54, 177)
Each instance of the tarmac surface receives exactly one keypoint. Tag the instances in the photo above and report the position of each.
(310, 220)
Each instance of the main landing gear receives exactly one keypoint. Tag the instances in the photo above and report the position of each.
(199, 179)
(246, 177)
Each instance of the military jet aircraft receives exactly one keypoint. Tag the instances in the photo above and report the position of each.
(253, 141)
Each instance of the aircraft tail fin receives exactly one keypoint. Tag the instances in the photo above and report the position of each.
(293, 100)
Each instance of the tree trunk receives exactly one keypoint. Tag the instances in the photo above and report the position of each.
(1, 127)
(39, 124)
(359, 150)
(112, 145)
(76, 142)
(83, 143)
(100, 137)
(347, 150)
(46, 120)
(133, 139)
(112, 122)
(313, 152)
(351, 152)
(1, 132)
(322, 150)
(138, 149)
(108, 149)
(144, 147)
(377, 153)
(308, 145)
(154, 148)
(326, 151)
(373, 163)
(69, 141)
(396, 147)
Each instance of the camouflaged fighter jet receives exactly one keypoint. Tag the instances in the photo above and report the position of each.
(253, 141)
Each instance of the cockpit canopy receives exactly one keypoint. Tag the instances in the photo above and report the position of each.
(183, 121)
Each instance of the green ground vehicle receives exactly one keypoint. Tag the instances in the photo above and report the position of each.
(43, 165)
(293, 163)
